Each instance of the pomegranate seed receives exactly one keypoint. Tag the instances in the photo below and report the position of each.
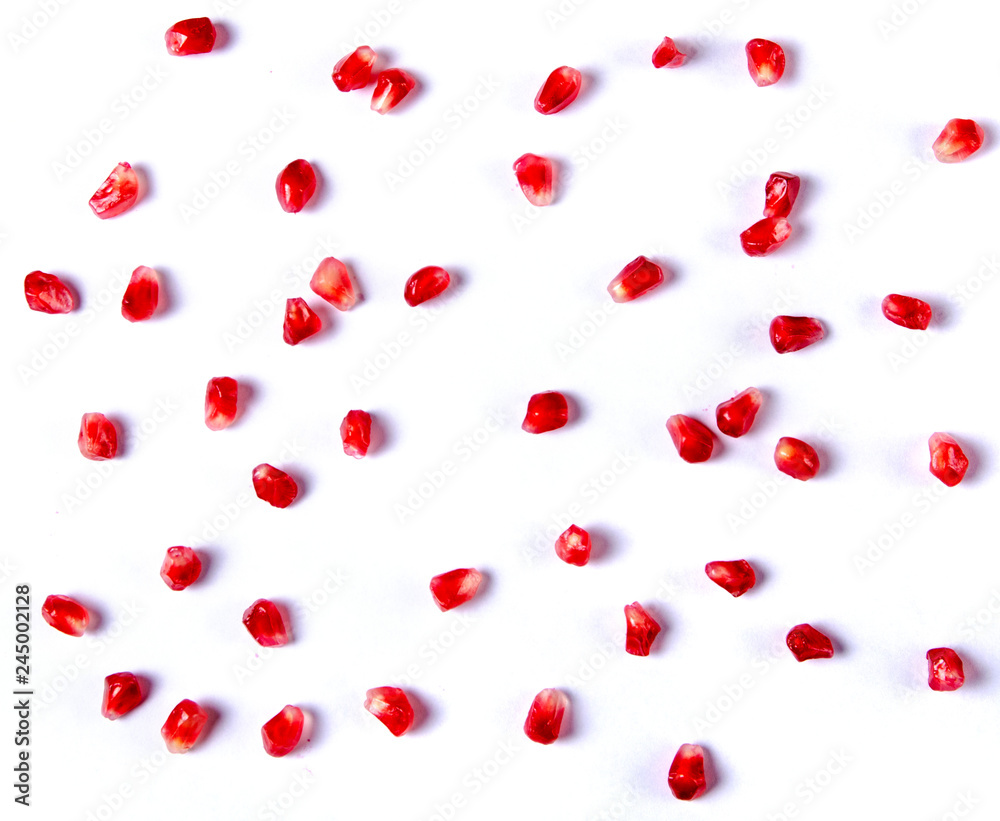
(559, 90)
(573, 546)
(48, 294)
(66, 615)
(141, 295)
(300, 321)
(194, 36)
(98, 439)
(535, 175)
(734, 577)
(274, 486)
(736, 416)
(641, 629)
(181, 567)
(945, 672)
(356, 433)
(793, 333)
(282, 733)
(546, 411)
(766, 61)
(391, 86)
(907, 311)
(220, 402)
(390, 706)
(686, 778)
(948, 460)
(264, 621)
(122, 694)
(958, 141)
(667, 55)
(545, 717)
(635, 279)
(455, 587)
(295, 186)
(692, 439)
(355, 70)
(806, 642)
(183, 726)
(765, 236)
(780, 192)
(795, 458)
(333, 282)
(425, 284)
(117, 193)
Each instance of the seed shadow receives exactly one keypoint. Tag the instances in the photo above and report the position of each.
(147, 685)
(659, 646)
(423, 712)
(714, 775)
(793, 68)
(246, 391)
(119, 425)
(942, 316)
(286, 617)
(590, 84)
(839, 647)
(809, 186)
(383, 435)
(303, 481)
(671, 271)
(975, 675)
(214, 717)
(384, 59)
(358, 292)
(828, 463)
(601, 543)
(559, 180)
(576, 410)
(976, 452)
(165, 300)
(989, 131)
(485, 589)
(762, 576)
(458, 282)
(313, 730)
(569, 727)
(208, 558)
(224, 36)
(146, 189)
(322, 193)
(95, 613)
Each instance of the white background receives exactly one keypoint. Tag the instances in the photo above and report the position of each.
(646, 156)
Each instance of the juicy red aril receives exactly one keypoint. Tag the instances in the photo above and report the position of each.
(194, 36)
(122, 694)
(945, 672)
(546, 411)
(780, 192)
(425, 284)
(141, 295)
(948, 460)
(66, 615)
(48, 294)
(692, 439)
(907, 311)
(765, 236)
(183, 726)
(117, 193)
(295, 186)
(390, 706)
(559, 90)
(274, 486)
(735, 416)
(766, 61)
(734, 577)
(545, 717)
(455, 587)
(98, 439)
(667, 55)
(573, 546)
(796, 458)
(220, 402)
(391, 86)
(635, 279)
(686, 778)
(641, 629)
(959, 140)
(356, 433)
(333, 282)
(806, 642)
(282, 733)
(264, 621)
(181, 567)
(300, 321)
(355, 70)
(535, 175)
(793, 333)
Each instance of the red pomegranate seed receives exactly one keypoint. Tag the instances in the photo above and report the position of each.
(183, 726)
(692, 439)
(391, 86)
(355, 70)
(734, 577)
(635, 279)
(766, 61)
(958, 141)
(686, 778)
(573, 546)
(390, 706)
(546, 411)
(907, 311)
(333, 282)
(264, 621)
(535, 175)
(796, 458)
(181, 567)
(806, 642)
(425, 284)
(220, 402)
(455, 587)
(300, 321)
(122, 694)
(356, 433)
(282, 733)
(765, 236)
(194, 36)
(948, 460)
(641, 629)
(667, 55)
(945, 672)
(736, 416)
(141, 295)
(274, 486)
(48, 294)
(66, 615)
(793, 333)
(295, 186)
(780, 192)
(559, 90)
(545, 717)
(98, 439)
(117, 193)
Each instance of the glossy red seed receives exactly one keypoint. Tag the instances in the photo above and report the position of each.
(356, 433)
(635, 279)
(536, 176)
(455, 587)
(274, 486)
(948, 461)
(282, 733)
(122, 694)
(667, 55)
(945, 672)
(425, 284)
(546, 411)
(736, 416)
(48, 294)
(766, 61)
(806, 642)
(265, 623)
(686, 778)
(355, 70)
(98, 439)
(907, 311)
(390, 706)
(391, 86)
(142, 294)
(796, 458)
(958, 141)
(181, 567)
(183, 726)
(765, 236)
(558, 90)
(640, 629)
(545, 717)
(793, 333)
(735, 577)
(573, 546)
(194, 36)
(694, 441)
(117, 193)
(295, 186)
(333, 282)
(780, 192)
(300, 321)
(66, 615)
(220, 402)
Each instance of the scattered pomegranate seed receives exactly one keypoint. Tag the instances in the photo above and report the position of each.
(181, 567)
(117, 193)
(945, 671)
(948, 460)
(141, 295)
(736, 416)
(546, 411)
(559, 90)
(48, 294)
(535, 175)
(356, 433)
(300, 321)
(667, 55)
(780, 192)
(796, 458)
(692, 439)
(274, 486)
(806, 642)
(765, 236)
(573, 546)
(220, 402)
(295, 186)
(686, 778)
(282, 733)
(183, 726)
(194, 36)
(355, 70)
(391, 86)
(333, 282)
(425, 284)
(793, 333)
(734, 577)
(545, 717)
(390, 706)
(66, 615)
(98, 439)
(264, 621)
(635, 279)
(455, 587)
(122, 694)
(958, 141)
(766, 61)
(907, 311)
(641, 629)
